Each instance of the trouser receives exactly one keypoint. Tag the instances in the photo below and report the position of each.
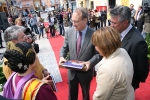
(52, 31)
(140, 26)
(103, 21)
(97, 25)
(61, 28)
(41, 32)
(36, 29)
(73, 89)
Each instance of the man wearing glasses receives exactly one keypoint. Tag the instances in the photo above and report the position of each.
(78, 44)
(132, 42)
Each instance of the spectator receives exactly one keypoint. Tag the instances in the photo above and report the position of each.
(51, 24)
(1, 41)
(10, 21)
(139, 23)
(133, 11)
(41, 27)
(60, 22)
(92, 20)
(108, 16)
(33, 22)
(103, 17)
(97, 20)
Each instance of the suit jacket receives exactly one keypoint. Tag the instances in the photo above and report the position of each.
(140, 23)
(133, 11)
(137, 48)
(87, 53)
(146, 18)
(92, 23)
(103, 15)
(114, 77)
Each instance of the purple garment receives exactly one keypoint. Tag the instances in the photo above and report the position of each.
(7, 92)
(45, 93)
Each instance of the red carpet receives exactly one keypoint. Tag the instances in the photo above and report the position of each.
(143, 93)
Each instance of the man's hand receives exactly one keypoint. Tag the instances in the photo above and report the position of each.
(45, 72)
(29, 39)
(87, 66)
(61, 60)
(47, 80)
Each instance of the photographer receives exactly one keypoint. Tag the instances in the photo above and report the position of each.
(146, 17)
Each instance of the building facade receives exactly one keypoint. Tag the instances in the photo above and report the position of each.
(15, 6)
(92, 4)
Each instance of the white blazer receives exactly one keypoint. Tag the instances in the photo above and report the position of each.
(114, 77)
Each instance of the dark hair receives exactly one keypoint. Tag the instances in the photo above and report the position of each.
(123, 12)
(20, 57)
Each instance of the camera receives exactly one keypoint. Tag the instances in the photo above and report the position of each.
(146, 6)
(30, 34)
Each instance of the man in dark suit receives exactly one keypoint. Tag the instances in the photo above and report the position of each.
(132, 42)
(60, 21)
(103, 17)
(133, 11)
(87, 53)
(139, 23)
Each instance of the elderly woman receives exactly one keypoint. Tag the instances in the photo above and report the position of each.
(13, 35)
(23, 84)
(115, 72)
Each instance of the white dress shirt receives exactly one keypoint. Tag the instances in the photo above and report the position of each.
(124, 33)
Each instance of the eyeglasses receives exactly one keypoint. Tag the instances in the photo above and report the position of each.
(114, 23)
(75, 22)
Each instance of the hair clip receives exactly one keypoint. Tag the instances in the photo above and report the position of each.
(30, 50)
(19, 50)
(20, 65)
(25, 67)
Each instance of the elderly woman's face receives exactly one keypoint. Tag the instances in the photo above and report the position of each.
(99, 51)
(21, 38)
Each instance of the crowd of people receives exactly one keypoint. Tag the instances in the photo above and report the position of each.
(119, 52)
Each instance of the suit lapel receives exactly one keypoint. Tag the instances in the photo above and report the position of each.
(86, 41)
(127, 37)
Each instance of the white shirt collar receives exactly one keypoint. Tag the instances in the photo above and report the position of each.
(124, 33)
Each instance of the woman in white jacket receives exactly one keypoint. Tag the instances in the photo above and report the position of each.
(115, 71)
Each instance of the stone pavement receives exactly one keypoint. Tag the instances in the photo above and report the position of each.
(47, 58)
